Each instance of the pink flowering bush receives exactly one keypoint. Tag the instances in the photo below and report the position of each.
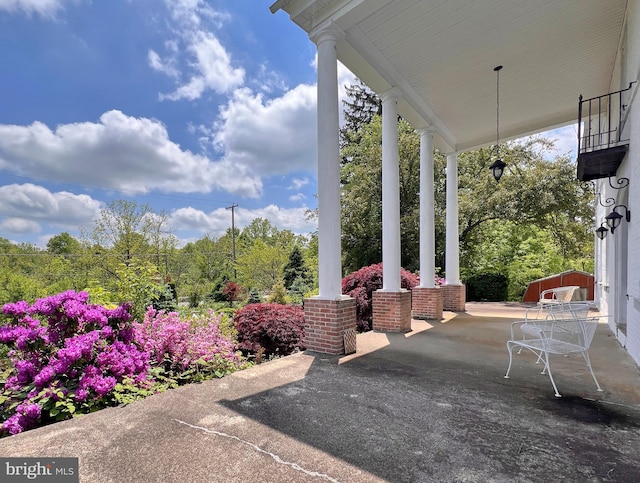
(190, 348)
(66, 356)
(361, 284)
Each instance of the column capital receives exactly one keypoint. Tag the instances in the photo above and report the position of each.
(390, 95)
(425, 130)
(327, 30)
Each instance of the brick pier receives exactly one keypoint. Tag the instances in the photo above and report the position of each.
(426, 303)
(453, 297)
(392, 311)
(325, 323)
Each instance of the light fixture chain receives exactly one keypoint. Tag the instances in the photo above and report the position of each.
(498, 111)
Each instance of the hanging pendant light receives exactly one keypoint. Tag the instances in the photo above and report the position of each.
(497, 168)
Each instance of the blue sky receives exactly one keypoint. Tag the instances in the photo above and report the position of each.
(187, 105)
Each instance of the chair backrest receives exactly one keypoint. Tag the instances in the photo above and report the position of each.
(558, 294)
(565, 336)
(562, 311)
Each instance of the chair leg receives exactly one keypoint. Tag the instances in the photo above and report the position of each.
(585, 354)
(547, 368)
(510, 349)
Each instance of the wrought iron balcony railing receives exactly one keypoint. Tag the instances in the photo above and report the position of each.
(601, 142)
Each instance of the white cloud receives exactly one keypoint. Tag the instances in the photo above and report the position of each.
(212, 69)
(189, 13)
(275, 136)
(19, 226)
(26, 206)
(218, 221)
(209, 64)
(269, 81)
(167, 67)
(45, 8)
(128, 154)
(283, 218)
(565, 138)
(297, 183)
(193, 219)
(297, 197)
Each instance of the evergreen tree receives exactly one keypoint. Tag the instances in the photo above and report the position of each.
(359, 108)
(295, 268)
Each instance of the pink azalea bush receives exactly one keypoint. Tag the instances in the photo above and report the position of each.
(67, 355)
(177, 343)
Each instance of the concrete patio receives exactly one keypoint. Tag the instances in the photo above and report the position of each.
(429, 405)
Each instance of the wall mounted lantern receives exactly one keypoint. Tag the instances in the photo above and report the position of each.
(497, 168)
(614, 218)
(602, 231)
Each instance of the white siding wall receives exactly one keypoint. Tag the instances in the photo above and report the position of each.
(633, 274)
(629, 306)
(614, 270)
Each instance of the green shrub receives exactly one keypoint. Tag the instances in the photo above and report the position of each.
(487, 287)
(278, 294)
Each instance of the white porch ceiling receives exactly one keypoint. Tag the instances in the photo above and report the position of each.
(440, 55)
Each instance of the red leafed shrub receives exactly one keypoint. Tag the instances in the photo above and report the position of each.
(271, 328)
(232, 292)
(361, 284)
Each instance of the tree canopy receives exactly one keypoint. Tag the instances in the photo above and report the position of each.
(538, 205)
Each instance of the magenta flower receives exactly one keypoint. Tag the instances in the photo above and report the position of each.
(44, 376)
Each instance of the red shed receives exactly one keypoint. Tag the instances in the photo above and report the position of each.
(572, 277)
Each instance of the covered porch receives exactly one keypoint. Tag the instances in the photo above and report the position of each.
(436, 65)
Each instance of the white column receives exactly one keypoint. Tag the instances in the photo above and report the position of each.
(452, 256)
(427, 211)
(329, 250)
(390, 194)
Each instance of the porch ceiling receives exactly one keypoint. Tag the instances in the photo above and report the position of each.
(440, 55)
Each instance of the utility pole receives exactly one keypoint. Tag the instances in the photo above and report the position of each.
(233, 237)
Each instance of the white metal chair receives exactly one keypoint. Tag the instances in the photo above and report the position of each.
(557, 294)
(554, 336)
(555, 311)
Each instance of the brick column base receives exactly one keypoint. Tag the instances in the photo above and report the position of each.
(325, 322)
(426, 303)
(392, 311)
(453, 297)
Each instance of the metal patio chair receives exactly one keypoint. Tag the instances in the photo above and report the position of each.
(558, 294)
(554, 336)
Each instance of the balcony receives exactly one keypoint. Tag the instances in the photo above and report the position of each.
(602, 146)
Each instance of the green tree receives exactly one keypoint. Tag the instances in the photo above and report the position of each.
(260, 266)
(295, 269)
(63, 244)
(132, 236)
(362, 197)
(359, 107)
(535, 192)
(21, 272)
(131, 231)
